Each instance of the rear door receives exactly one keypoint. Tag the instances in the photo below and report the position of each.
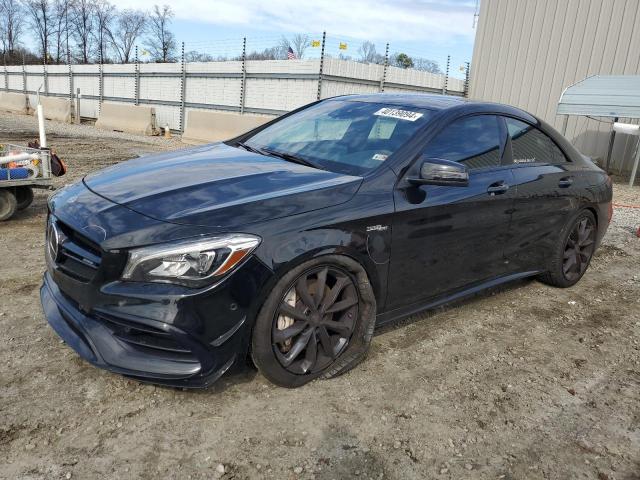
(545, 194)
(447, 237)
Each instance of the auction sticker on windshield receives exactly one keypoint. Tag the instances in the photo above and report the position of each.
(399, 114)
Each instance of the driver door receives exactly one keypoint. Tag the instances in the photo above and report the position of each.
(446, 238)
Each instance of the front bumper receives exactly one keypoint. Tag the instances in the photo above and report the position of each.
(142, 348)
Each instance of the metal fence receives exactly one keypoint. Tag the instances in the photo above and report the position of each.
(231, 79)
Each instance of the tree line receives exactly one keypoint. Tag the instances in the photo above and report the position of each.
(90, 31)
(87, 31)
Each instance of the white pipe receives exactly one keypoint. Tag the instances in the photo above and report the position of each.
(18, 157)
(43, 135)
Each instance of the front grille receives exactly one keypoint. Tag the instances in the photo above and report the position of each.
(146, 338)
(78, 257)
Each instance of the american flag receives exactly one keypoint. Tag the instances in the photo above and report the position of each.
(290, 54)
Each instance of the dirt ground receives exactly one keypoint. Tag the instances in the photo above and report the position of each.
(528, 382)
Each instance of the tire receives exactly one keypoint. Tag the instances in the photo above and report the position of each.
(573, 252)
(24, 197)
(8, 204)
(334, 330)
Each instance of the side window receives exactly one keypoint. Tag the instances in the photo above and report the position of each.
(474, 141)
(530, 145)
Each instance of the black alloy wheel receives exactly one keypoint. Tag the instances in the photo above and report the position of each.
(579, 249)
(571, 256)
(315, 320)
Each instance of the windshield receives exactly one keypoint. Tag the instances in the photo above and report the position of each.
(340, 135)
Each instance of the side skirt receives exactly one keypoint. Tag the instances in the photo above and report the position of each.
(403, 312)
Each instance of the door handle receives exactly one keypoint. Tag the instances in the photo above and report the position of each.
(497, 188)
(565, 182)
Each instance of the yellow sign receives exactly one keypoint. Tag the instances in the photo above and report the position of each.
(343, 46)
(315, 43)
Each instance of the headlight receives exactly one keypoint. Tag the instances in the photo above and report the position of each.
(192, 262)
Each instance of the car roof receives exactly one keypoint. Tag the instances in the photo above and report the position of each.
(418, 100)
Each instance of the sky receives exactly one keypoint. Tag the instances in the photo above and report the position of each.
(422, 28)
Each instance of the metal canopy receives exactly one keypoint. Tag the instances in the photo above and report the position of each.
(603, 96)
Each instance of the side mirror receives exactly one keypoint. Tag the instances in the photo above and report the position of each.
(436, 171)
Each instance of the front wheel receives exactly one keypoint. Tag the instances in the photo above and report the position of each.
(573, 253)
(317, 321)
(8, 204)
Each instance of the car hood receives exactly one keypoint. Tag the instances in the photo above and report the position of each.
(220, 186)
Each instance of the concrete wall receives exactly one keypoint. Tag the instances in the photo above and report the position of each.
(271, 87)
(528, 51)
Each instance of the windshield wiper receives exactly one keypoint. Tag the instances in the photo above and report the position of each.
(290, 158)
(249, 149)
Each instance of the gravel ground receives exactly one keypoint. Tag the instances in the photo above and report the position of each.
(524, 382)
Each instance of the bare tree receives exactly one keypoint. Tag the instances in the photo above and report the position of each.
(299, 44)
(129, 26)
(368, 54)
(11, 23)
(40, 17)
(60, 23)
(104, 13)
(161, 40)
(195, 56)
(82, 27)
(426, 65)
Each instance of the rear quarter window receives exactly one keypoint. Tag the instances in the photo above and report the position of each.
(531, 145)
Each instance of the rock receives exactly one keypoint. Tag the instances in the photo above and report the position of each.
(297, 470)
(68, 475)
(397, 444)
(220, 469)
(29, 446)
(443, 471)
(468, 466)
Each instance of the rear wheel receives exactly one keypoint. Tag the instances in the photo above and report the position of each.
(573, 253)
(24, 197)
(317, 321)
(8, 204)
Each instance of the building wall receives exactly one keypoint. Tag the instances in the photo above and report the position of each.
(528, 51)
(271, 86)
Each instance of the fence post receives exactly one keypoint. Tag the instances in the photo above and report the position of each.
(24, 77)
(46, 78)
(6, 74)
(71, 84)
(466, 79)
(384, 69)
(446, 76)
(78, 106)
(137, 80)
(100, 84)
(243, 85)
(324, 38)
(183, 89)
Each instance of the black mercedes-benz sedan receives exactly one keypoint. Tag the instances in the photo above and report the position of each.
(289, 244)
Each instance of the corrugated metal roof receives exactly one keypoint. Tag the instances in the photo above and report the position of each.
(603, 96)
